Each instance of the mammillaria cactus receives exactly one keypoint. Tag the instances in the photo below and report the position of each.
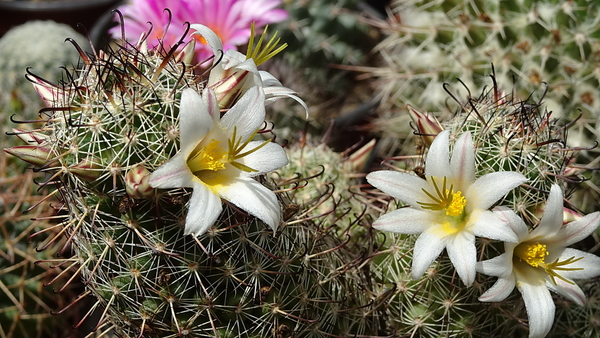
(114, 132)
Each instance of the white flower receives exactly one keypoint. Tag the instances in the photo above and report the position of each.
(541, 261)
(235, 73)
(449, 208)
(218, 159)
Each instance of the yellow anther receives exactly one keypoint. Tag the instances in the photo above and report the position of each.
(532, 254)
(457, 204)
(209, 157)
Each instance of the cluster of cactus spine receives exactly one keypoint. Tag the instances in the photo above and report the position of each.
(548, 48)
(39, 45)
(116, 121)
(106, 129)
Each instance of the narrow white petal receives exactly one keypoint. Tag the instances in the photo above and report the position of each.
(205, 208)
(489, 188)
(462, 162)
(195, 119)
(513, 220)
(255, 199)
(270, 157)
(577, 230)
(213, 39)
(427, 248)
(571, 291)
(405, 187)
(173, 174)
(404, 221)
(540, 308)
(487, 224)
(499, 266)
(589, 265)
(463, 255)
(552, 218)
(437, 163)
(500, 290)
(246, 115)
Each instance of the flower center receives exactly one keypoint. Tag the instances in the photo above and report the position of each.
(211, 157)
(535, 256)
(532, 254)
(445, 199)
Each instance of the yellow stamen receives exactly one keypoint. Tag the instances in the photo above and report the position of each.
(457, 204)
(210, 157)
(270, 49)
(236, 146)
(445, 199)
(535, 255)
(532, 254)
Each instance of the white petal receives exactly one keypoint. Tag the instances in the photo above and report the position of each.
(195, 119)
(404, 221)
(437, 163)
(246, 115)
(205, 208)
(427, 248)
(462, 162)
(540, 308)
(500, 290)
(513, 220)
(589, 265)
(255, 199)
(571, 291)
(270, 157)
(552, 218)
(489, 188)
(499, 266)
(463, 255)
(487, 224)
(211, 38)
(578, 230)
(405, 187)
(173, 174)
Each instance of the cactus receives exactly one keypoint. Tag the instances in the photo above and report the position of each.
(106, 130)
(25, 302)
(548, 47)
(39, 45)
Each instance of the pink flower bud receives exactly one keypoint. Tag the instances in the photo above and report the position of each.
(88, 169)
(136, 182)
(38, 156)
(427, 126)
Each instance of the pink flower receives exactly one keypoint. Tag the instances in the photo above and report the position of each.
(229, 19)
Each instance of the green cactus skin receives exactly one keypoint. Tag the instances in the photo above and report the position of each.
(119, 114)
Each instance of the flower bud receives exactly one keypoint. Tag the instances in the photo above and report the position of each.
(38, 156)
(136, 182)
(359, 159)
(29, 137)
(427, 127)
(88, 169)
(230, 88)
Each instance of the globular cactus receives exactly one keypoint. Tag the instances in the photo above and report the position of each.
(114, 123)
(41, 46)
(508, 135)
(548, 49)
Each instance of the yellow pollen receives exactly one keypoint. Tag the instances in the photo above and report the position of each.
(457, 204)
(210, 157)
(532, 254)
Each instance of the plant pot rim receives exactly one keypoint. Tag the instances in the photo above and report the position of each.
(56, 5)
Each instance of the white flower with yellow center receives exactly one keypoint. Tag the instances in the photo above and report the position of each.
(218, 159)
(541, 261)
(449, 208)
